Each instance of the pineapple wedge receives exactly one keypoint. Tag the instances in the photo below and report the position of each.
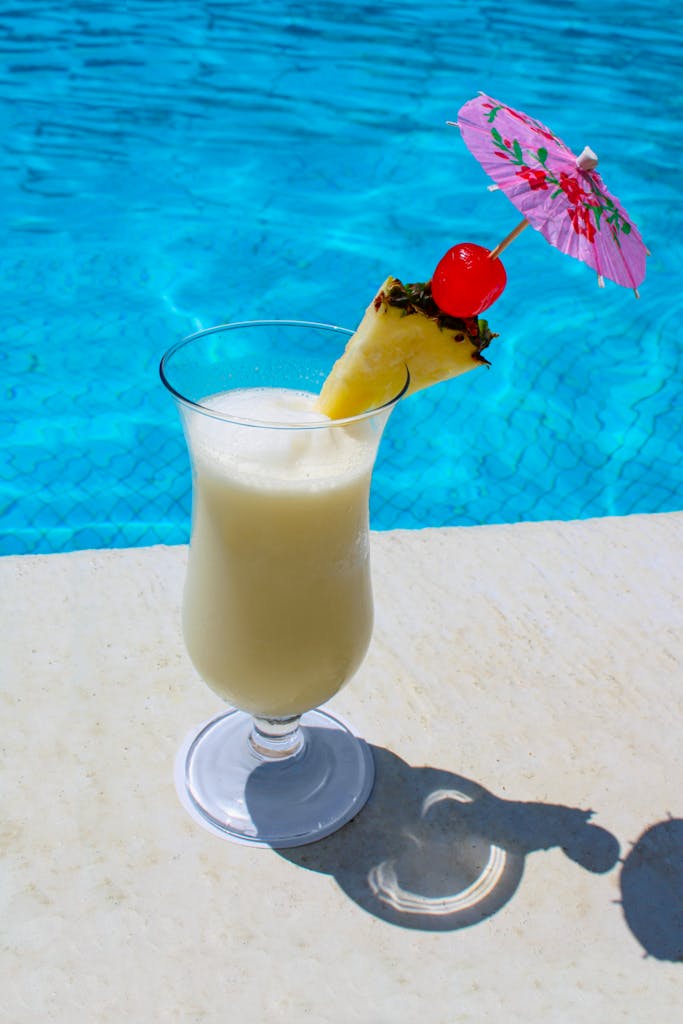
(402, 327)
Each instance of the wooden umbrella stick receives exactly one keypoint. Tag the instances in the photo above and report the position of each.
(508, 238)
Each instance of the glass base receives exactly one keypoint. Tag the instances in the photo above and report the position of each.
(230, 787)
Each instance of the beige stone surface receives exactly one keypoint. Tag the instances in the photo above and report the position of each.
(519, 676)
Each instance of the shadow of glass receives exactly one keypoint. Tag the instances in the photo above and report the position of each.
(435, 851)
(652, 890)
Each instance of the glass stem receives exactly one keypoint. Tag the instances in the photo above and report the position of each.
(273, 739)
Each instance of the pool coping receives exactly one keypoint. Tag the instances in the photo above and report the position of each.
(534, 668)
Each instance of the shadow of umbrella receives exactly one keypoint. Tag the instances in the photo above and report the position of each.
(435, 851)
(652, 890)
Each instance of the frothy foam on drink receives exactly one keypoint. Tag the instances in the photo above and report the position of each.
(267, 405)
(276, 435)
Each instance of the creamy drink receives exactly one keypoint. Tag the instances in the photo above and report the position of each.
(277, 611)
(278, 601)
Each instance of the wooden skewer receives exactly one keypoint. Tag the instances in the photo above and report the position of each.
(495, 253)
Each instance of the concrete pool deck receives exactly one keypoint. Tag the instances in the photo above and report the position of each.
(519, 677)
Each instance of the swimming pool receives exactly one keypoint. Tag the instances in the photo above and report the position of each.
(172, 165)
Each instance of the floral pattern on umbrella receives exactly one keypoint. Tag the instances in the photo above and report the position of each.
(562, 196)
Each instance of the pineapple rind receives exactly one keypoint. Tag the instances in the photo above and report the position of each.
(372, 369)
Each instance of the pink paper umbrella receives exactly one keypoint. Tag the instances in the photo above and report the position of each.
(559, 194)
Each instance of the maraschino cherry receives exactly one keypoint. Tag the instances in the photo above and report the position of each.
(467, 281)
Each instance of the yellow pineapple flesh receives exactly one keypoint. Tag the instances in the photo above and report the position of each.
(402, 328)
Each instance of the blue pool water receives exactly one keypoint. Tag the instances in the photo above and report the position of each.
(169, 164)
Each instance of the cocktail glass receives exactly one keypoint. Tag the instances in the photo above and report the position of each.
(277, 607)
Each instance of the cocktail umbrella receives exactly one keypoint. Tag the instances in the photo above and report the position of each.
(559, 194)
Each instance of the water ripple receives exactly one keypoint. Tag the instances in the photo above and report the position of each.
(174, 164)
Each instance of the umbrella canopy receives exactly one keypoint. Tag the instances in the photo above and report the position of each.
(559, 194)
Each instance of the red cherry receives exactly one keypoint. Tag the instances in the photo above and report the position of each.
(466, 281)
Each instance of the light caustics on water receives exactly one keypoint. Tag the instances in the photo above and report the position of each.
(247, 174)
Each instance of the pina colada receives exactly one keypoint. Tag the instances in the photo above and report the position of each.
(278, 602)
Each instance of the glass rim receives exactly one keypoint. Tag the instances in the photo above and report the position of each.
(273, 425)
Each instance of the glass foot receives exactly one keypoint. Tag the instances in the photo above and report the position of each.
(229, 787)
